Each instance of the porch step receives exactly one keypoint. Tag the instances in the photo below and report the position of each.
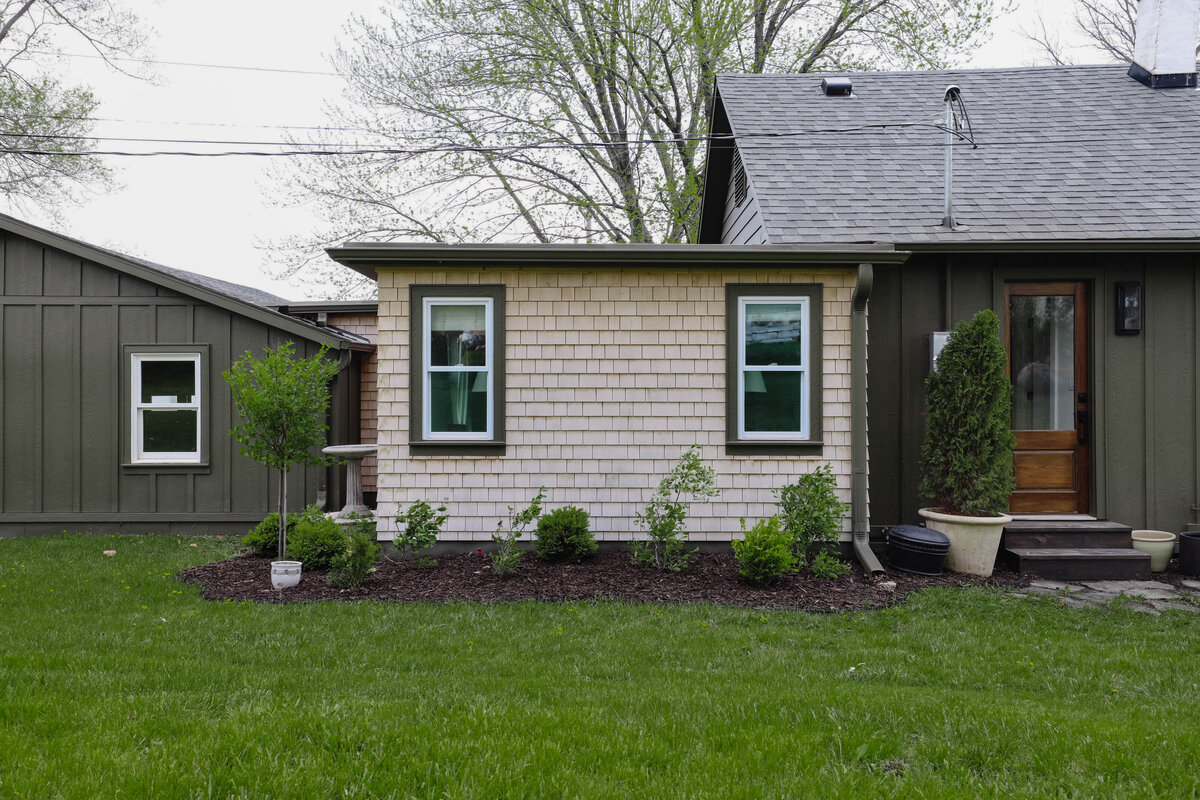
(1080, 563)
(1037, 533)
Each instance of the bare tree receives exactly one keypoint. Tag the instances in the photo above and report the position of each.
(1107, 28)
(576, 120)
(41, 120)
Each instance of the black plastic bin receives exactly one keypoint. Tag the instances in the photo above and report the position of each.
(1189, 553)
(921, 551)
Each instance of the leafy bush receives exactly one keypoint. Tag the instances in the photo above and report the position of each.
(764, 552)
(355, 564)
(663, 519)
(810, 510)
(563, 535)
(263, 539)
(317, 541)
(967, 454)
(508, 555)
(827, 565)
(420, 526)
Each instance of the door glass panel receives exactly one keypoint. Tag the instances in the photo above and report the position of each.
(1042, 353)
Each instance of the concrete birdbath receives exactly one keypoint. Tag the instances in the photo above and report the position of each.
(353, 454)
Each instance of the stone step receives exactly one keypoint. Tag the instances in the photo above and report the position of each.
(1079, 563)
(1076, 534)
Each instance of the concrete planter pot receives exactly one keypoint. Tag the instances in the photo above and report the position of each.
(974, 541)
(285, 574)
(1160, 545)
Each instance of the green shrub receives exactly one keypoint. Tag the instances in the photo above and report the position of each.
(827, 565)
(263, 539)
(419, 528)
(317, 541)
(355, 564)
(663, 519)
(967, 454)
(508, 556)
(810, 510)
(764, 552)
(563, 535)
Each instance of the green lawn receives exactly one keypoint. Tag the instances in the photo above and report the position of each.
(118, 681)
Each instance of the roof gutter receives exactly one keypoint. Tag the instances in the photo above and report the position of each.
(860, 523)
(367, 257)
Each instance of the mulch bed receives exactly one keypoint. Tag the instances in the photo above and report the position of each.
(708, 578)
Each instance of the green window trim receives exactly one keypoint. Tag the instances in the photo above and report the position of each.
(794, 372)
(456, 386)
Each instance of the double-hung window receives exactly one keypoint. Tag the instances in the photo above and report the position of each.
(774, 354)
(165, 405)
(457, 347)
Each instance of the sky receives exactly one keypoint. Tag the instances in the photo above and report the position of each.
(220, 216)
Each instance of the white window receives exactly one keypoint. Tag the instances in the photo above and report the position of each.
(458, 384)
(774, 373)
(165, 406)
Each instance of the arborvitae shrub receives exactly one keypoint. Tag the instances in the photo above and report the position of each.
(967, 455)
(563, 536)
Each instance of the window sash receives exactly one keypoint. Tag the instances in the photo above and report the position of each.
(802, 369)
(138, 452)
(472, 371)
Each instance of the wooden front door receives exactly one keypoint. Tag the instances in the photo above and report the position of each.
(1045, 334)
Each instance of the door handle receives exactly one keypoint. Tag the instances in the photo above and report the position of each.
(1081, 421)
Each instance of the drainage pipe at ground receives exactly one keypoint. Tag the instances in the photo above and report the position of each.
(859, 519)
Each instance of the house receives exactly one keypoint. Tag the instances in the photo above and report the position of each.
(590, 369)
(113, 412)
(1065, 198)
(1070, 206)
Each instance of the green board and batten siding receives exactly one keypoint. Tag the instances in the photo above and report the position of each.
(1144, 393)
(65, 323)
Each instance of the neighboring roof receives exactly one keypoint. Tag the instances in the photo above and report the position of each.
(365, 257)
(1067, 153)
(233, 297)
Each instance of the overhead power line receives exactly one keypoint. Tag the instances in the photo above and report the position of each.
(356, 149)
(196, 64)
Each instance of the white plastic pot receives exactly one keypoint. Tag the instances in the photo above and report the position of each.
(285, 574)
(1159, 544)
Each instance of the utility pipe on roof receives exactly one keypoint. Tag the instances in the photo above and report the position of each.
(860, 524)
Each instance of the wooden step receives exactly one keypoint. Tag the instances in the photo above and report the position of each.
(1079, 563)
(1074, 534)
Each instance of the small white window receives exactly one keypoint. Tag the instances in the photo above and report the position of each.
(165, 406)
(459, 381)
(773, 368)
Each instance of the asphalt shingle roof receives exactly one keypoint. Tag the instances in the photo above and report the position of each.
(1065, 153)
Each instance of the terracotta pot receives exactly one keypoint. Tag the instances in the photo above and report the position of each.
(1159, 544)
(974, 541)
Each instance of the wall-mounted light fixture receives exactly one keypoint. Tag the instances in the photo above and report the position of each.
(1129, 308)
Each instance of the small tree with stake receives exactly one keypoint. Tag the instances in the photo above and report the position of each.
(282, 401)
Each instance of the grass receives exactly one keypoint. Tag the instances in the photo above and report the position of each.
(118, 681)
